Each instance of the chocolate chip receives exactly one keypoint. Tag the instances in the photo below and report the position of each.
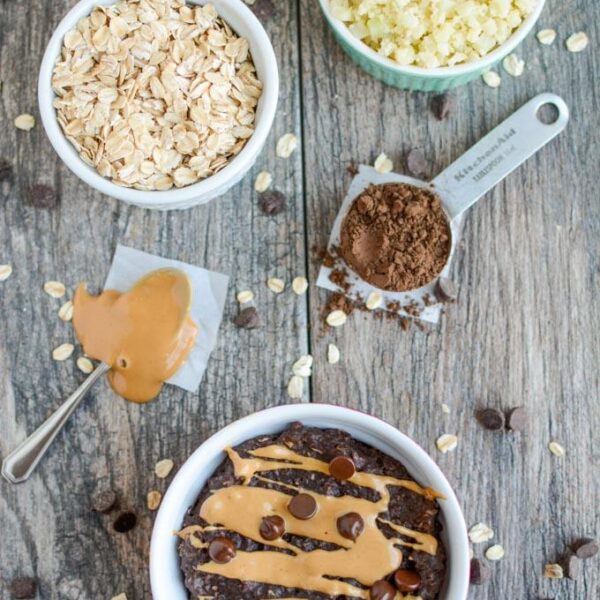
(103, 501)
(23, 588)
(125, 522)
(6, 170)
(350, 525)
(585, 548)
(272, 527)
(382, 590)
(273, 202)
(517, 419)
(445, 290)
(571, 565)
(221, 550)
(415, 161)
(407, 580)
(352, 170)
(42, 196)
(303, 506)
(491, 419)
(480, 572)
(247, 318)
(342, 467)
(263, 9)
(442, 105)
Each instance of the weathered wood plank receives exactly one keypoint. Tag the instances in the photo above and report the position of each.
(48, 529)
(526, 328)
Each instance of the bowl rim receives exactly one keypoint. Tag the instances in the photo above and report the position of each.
(378, 433)
(439, 72)
(174, 197)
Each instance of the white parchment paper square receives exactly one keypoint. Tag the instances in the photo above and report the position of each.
(360, 289)
(209, 290)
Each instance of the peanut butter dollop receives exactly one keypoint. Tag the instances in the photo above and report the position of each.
(144, 334)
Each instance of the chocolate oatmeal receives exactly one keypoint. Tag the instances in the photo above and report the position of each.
(312, 514)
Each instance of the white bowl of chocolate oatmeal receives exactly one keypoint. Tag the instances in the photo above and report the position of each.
(174, 521)
(160, 103)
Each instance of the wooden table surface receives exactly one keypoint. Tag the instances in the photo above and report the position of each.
(525, 331)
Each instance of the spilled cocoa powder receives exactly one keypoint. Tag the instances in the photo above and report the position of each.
(396, 236)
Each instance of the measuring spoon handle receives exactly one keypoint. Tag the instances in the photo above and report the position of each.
(21, 462)
(499, 153)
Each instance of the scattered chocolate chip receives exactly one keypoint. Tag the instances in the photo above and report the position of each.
(272, 527)
(491, 419)
(517, 419)
(571, 565)
(442, 105)
(352, 170)
(415, 162)
(407, 580)
(303, 506)
(342, 467)
(480, 572)
(125, 522)
(263, 9)
(221, 550)
(6, 169)
(585, 548)
(445, 290)
(272, 202)
(23, 588)
(103, 501)
(382, 590)
(350, 525)
(247, 318)
(42, 196)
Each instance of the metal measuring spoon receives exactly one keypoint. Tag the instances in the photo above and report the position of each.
(20, 463)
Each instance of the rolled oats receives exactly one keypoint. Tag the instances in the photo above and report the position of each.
(300, 285)
(62, 352)
(65, 312)
(374, 300)
(446, 443)
(286, 145)
(513, 65)
(163, 468)
(495, 552)
(553, 571)
(480, 533)
(383, 164)
(26, 122)
(491, 79)
(155, 94)
(336, 318)
(276, 285)
(56, 289)
(556, 449)
(245, 296)
(303, 366)
(153, 499)
(333, 354)
(263, 181)
(546, 36)
(85, 365)
(5, 272)
(577, 42)
(295, 387)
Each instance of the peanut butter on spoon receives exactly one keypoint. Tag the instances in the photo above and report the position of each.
(144, 334)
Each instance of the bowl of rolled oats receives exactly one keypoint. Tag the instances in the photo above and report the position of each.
(161, 103)
(429, 45)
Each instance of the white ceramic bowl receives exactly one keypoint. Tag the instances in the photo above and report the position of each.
(165, 574)
(243, 21)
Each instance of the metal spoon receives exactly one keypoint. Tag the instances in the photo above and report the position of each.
(21, 462)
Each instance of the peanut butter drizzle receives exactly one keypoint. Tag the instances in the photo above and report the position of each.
(144, 334)
(369, 558)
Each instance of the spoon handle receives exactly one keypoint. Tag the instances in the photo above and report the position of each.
(499, 153)
(20, 463)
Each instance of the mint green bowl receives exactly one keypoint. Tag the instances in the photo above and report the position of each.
(418, 78)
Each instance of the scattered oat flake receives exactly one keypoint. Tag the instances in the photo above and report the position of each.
(556, 449)
(491, 79)
(85, 365)
(336, 318)
(245, 296)
(333, 354)
(513, 65)
(480, 533)
(153, 499)
(65, 312)
(163, 467)
(303, 366)
(300, 285)
(445, 409)
(546, 36)
(26, 122)
(374, 300)
(5, 272)
(286, 145)
(250, 2)
(446, 442)
(119, 597)
(383, 164)
(553, 571)
(263, 181)
(276, 285)
(55, 289)
(577, 42)
(62, 352)
(295, 387)
(495, 552)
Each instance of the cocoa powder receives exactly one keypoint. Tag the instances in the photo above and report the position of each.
(396, 236)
